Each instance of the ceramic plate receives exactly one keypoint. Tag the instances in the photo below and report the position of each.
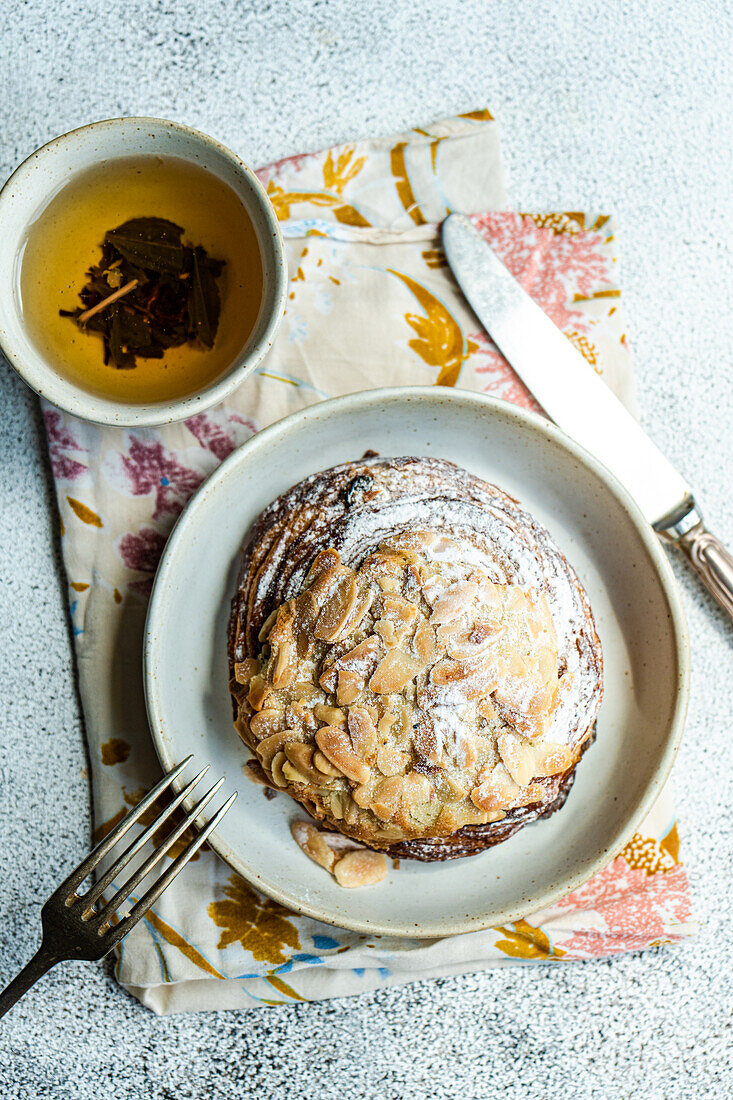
(619, 560)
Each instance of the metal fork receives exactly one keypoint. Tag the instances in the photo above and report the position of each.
(79, 925)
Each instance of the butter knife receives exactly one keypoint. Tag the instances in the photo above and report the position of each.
(580, 403)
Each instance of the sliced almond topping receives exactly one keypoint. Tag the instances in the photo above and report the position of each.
(426, 643)
(547, 662)
(292, 774)
(325, 583)
(415, 789)
(245, 670)
(332, 716)
(425, 813)
(448, 632)
(276, 767)
(336, 802)
(387, 797)
(284, 651)
(312, 843)
(268, 748)
(427, 743)
(267, 722)
(466, 750)
(336, 746)
(359, 610)
(300, 715)
(472, 642)
(363, 732)
(350, 687)
(336, 610)
(394, 672)
(258, 692)
(552, 759)
(325, 765)
(323, 561)
(518, 756)
(458, 791)
(363, 794)
(486, 708)
(450, 820)
(455, 601)
(305, 692)
(388, 584)
(514, 599)
(301, 757)
(496, 791)
(267, 625)
(304, 623)
(475, 679)
(388, 632)
(361, 657)
(386, 722)
(360, 868)
(391, 761)
(448, 671)
(383, 563)
(400, 612)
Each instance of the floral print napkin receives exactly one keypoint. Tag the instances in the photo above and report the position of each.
(371, 302)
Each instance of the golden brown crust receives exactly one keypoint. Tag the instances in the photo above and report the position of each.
(402, 695)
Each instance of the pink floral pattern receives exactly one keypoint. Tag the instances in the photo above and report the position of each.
(499, 378)
(221, 432)
(552, 267)
(148, 468)
(278, 167)
(142, 552)
(64, 449)
(630, 909)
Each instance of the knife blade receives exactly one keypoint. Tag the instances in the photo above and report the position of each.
(581, 404)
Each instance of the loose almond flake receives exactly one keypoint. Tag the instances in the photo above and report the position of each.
(311, 841)
(363, 868)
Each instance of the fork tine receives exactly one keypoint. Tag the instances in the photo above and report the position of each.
(132, 849)
(75, 879)
(124, 892)
(115, 934)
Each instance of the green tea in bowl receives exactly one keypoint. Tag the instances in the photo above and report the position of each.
(142, 279)
(142, 271)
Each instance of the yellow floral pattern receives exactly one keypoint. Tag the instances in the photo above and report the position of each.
(85, 514)
(337, 173)
(524, 941)
(439, 339)
(644, 853)
(259, 924)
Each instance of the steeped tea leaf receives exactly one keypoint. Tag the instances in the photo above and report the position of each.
(203, 297)
(154, 244)
(149, 292)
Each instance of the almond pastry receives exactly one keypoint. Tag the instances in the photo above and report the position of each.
(412, 659)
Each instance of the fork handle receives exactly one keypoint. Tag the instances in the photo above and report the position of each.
(41, 962)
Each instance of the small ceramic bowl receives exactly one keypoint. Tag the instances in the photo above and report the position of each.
(41, 176)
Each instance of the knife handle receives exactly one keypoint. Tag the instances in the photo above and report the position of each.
(712, 563)
(705, 553)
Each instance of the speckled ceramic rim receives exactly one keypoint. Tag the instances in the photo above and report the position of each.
(35, 182)
(343, 407)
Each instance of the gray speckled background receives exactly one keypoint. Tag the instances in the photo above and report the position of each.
(619, 106)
